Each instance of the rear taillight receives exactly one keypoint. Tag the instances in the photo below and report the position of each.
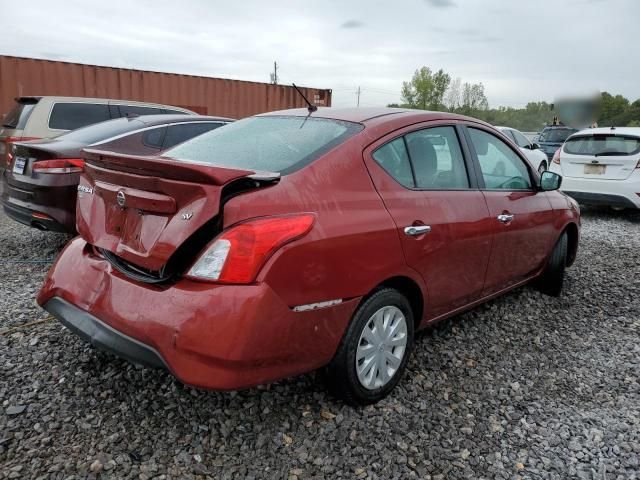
(8, 143)
(239, 253)
(556, 157)
(59, 165)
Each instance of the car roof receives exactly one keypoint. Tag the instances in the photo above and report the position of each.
(151, 120)
(367, 114)
(115, 101)
(632, 131)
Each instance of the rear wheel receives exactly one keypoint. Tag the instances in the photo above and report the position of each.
(374, 350)
(552, 279)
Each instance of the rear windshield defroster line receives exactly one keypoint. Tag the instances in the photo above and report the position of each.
(281, 144)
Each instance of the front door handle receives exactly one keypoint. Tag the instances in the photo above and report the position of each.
(505, 217)
(415, 230)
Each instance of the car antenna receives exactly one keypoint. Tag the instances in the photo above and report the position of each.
(312, 108)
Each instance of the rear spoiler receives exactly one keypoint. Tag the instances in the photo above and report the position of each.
(27, 100)
(163, 167)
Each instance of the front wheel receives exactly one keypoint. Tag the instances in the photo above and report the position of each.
(552, 279)
(374, 351)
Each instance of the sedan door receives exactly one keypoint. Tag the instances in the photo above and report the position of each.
(442, 219)
(522, 217)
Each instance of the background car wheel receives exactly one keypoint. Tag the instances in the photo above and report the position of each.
(552, 279)
(542, 167)
(374, 350)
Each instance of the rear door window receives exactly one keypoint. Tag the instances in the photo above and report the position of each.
(394, 159)
(603, 145)
(501, 167)
(186, 131)
(69, 116)
(175, 112)
(437, 159)
(131, 110)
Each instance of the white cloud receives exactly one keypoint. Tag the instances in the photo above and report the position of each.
(521, 51)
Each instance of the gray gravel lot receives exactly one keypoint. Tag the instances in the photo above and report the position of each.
(524, 387)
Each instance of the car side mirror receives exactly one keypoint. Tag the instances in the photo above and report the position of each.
(534, 146)
(550, 181)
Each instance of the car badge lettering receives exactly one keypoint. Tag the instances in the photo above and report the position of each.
(121, 199)
(187, 216)
(84, 189)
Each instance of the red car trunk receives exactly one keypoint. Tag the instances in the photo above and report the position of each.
(143, 208)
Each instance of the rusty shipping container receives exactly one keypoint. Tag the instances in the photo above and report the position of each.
(206, 95)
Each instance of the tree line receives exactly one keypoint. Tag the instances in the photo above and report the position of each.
(436, 90)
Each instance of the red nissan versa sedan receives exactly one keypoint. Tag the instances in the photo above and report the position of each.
(292, 241)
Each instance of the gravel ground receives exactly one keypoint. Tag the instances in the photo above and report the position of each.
(524, 387)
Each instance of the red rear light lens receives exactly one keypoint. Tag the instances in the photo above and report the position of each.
(239, 253)
(8, 144)
(59, 165)
(556, 157)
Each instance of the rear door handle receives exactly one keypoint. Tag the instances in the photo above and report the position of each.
(505, 217)
(415, 230)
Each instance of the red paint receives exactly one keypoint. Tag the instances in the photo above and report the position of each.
(232, 336)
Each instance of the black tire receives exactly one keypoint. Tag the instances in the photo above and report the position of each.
(341, 376)
(552, 278)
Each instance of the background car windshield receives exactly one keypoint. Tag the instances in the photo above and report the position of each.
(273, 144)
(102, 131)
(602, 145)
(556, 135)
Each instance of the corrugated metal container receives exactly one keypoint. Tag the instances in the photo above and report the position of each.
(212, 96)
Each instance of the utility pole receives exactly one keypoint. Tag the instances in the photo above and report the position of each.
(358, 94)
(274, 75)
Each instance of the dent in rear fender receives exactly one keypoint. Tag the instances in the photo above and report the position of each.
(71, 254)
(252, 326)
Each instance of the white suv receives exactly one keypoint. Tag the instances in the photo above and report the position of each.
(601, 166)
(48, 117)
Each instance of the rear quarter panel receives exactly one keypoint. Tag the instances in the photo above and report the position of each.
(353, 245)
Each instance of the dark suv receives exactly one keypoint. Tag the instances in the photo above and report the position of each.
(552, 138)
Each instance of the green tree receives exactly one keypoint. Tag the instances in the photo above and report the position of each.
(611, 109)
(426, 89)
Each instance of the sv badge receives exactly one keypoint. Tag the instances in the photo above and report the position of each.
(187, 216)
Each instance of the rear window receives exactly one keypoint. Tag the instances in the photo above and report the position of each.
(556, 135)
(102, 131)
(69, 116)
(18, 116)
(273, 144)
(602, 145)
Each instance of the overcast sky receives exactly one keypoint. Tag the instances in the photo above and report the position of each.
(521, 50)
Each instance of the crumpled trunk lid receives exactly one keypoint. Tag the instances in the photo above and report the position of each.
(142, 209)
